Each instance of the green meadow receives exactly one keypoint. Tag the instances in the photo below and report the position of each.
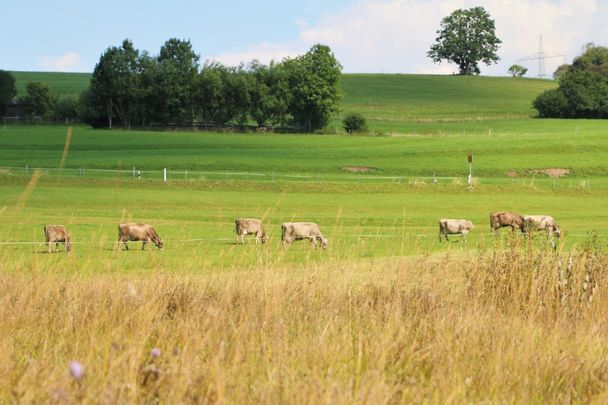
(373, 195)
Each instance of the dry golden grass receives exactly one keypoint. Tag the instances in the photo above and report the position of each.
(504, 325)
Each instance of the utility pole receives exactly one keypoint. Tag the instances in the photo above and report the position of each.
(541, 56)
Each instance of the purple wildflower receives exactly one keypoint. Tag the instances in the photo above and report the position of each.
(76, 370)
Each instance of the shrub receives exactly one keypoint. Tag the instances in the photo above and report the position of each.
(354, 122)
(551, 104)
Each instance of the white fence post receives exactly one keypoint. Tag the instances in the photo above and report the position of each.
(165, 174)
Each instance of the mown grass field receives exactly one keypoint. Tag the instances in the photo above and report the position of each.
(387, 314)
(60, 84)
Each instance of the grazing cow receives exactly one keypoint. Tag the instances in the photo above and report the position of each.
(56, 234)
(545, 223)
(503, 219)
(292, 231)
(454, 227)
(138, 232)
(248, 226)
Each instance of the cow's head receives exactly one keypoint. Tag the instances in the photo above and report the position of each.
(159, 243)
(324, 242)
(264, 238)
(556, 232)
(68, 245)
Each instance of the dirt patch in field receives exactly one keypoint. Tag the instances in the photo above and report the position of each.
(555, 172)
(359, 169)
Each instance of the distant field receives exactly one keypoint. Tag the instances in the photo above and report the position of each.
(400, 103)
(60, 84)
(417, 103)
(579, 146)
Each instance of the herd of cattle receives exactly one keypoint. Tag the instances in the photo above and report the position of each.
(293, 231)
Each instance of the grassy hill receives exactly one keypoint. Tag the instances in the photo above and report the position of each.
(61, 84)
(394, 102)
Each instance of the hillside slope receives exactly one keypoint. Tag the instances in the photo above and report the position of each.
(389, 101)
(386, 98)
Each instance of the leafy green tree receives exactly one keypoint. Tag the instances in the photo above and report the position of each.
(66, 108)
(466, 37)
(583, 88)
(551, 104)
(561, 69)
(210, 94)
(178, 68)
(38, 98)
(7, 90)
(270, 94)
(518, 70)
(314, 80)
(114, 82)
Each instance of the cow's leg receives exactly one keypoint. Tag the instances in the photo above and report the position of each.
(143, 243)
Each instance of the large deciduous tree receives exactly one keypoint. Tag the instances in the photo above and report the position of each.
(466, 37)
(270, 94)
(314, 80)
(38, 98)
(7, 90)
(178, 68)
(114, 82)
(583, 88)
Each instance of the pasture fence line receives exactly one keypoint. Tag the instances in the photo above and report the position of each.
(167, 174)
(170, 175)
(224, 239)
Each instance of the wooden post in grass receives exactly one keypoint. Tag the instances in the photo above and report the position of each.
(470, 160)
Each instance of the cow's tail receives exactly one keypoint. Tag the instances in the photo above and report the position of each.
(283, 231)
(237, 226)
(491, 222)
(46, 235)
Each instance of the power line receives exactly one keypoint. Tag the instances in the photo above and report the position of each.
(541, 56)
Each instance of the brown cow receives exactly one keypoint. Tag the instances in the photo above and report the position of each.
(249, 226)
(292, 231)
(138, 232)
(503, 219)
(56, 234)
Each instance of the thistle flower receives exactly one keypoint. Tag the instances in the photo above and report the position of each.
(76, 370)
(155, 352)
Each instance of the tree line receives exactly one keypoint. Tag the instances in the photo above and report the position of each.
(135, 88)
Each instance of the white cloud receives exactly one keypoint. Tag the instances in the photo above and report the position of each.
(68, 62)
(264, 53)
(395, 35)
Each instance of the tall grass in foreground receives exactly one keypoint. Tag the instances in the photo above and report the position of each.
(506, 325)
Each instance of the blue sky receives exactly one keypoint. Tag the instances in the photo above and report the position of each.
(365, 35)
